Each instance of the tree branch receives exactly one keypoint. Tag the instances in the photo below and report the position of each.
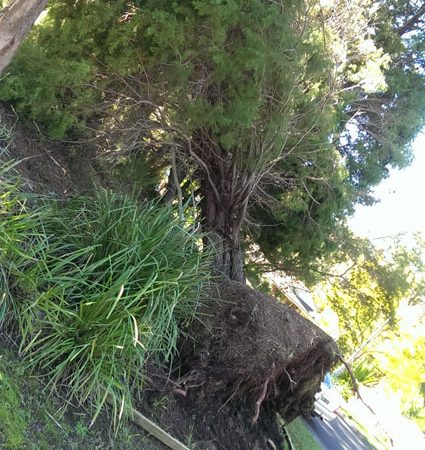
(354, 382)
(16, 20)
(410, 23)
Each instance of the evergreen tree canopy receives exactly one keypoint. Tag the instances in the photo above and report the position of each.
(284, 113)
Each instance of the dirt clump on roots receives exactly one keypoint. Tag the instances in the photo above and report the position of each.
(249, 358)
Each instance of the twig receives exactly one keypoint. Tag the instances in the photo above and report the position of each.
(54, 420)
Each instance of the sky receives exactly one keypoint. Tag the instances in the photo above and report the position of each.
(402, 202)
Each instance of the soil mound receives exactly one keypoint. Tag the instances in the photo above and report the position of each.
(45, 164)
(251, 357)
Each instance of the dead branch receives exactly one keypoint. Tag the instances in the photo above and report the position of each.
(354, 382)
(177, 184)
(148, 425)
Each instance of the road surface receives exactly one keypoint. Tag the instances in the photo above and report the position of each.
(337, 434)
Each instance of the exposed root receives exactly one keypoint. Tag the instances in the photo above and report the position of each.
(230, 398)
(255, 357)
(179, 391)
(260, 401)
(289, 377)
(271, 444)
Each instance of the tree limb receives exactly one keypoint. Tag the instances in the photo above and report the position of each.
(409, 24)
(16, 20)
(354, 382)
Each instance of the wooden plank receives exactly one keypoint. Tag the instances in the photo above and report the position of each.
(151, 427)
(156, 431)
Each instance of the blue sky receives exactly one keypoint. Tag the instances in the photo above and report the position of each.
(402, 201)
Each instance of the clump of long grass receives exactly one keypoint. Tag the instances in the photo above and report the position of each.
(15, 223)
(96, 286)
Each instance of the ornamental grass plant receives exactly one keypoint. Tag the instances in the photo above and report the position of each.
(95, 286)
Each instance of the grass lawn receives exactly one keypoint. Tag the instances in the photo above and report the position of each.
(300, 436)
(30, 420)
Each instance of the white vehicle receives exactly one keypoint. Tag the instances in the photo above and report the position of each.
(328, 400)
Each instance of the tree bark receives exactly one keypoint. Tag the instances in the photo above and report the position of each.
(223, 234)
(224, 190)
(16, 20)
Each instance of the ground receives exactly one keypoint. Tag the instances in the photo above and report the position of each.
(248, 356)
(301, 437)
(58, 168)
(30, 419)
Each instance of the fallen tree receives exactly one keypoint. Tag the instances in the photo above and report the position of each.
(248, 356)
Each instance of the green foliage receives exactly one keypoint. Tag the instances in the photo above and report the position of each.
(42, 95)
(81, 428)
(370, 288)
(85, 41)
(321, 180)
(301, 437)
(378, 298)
(402, 358)
(139, 173)
(13, 422)
(53, 78)
(6, 136)
(12, 205)
(30, 419)
(314, 101)
(366, 374)
(298, 233)
(383, 124)
(96, 286)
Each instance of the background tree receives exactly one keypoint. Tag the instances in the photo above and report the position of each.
(402, 358)
(368, 291)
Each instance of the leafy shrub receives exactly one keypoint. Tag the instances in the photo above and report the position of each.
(95, 287)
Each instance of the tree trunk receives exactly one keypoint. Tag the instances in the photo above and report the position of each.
(223, 229)
(16, 20)
(225, 194)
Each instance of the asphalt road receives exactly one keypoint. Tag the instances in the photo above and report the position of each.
(337, 434)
